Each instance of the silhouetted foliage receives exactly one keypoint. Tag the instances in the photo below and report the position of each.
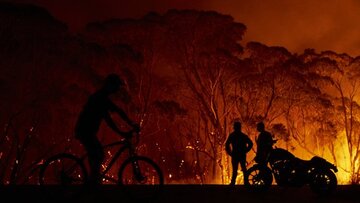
(188, 78)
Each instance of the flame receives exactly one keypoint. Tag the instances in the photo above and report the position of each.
(342, 161)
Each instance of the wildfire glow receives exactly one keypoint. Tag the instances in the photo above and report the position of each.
(342, 162)
(184, 90)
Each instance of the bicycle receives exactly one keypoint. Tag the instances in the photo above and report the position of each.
(66, 169)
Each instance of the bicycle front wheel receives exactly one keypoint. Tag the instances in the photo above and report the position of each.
(141, 178)
(139, 170)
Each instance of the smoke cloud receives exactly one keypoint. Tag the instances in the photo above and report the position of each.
(295, 24)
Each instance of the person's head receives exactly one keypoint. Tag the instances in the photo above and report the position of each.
(260, 127)
(113, 83)
(237, 126)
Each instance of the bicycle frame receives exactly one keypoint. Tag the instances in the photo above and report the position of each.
(68, 169)
(126, 144)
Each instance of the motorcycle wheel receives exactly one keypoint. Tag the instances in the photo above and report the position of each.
(323, 182)
(258, 178)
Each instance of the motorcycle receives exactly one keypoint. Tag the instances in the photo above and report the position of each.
(289, 170)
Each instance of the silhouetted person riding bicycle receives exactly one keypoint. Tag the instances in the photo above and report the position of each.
(96, 109)
(237, 145)
(264, 144)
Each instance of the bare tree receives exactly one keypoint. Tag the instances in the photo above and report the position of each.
(339, 76)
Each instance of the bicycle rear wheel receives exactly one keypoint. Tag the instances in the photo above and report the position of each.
(61, 175)
(141, 177)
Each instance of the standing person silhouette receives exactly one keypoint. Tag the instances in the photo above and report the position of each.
(264, 144)
(237, 145)
(96, 109)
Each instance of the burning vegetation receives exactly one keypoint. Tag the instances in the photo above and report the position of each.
(188, 78)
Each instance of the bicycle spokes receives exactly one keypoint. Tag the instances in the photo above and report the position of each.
(138, 176)
(63, 170)
(139, 171)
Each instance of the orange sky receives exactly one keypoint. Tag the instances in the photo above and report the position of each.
(294, 24)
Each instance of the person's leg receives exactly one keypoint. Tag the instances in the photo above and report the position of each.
(243, 167)
(235, 163)
(96, 157)
(262, 164)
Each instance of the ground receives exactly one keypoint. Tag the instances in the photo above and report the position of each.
(179, 193)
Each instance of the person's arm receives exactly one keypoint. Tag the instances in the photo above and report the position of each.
(227, 145)
(124, 116)
(110, 122)
(270, 141)
(133, 124)
(249, 143)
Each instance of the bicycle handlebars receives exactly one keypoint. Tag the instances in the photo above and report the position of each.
(130, 135)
